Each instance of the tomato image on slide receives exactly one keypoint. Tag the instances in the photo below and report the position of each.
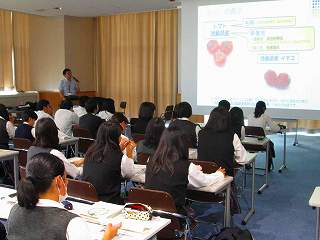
(220, 52)
(281, 81)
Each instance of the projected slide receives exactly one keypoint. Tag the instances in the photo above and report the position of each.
(260, 51)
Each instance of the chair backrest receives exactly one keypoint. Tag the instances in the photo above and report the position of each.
(21, 143)
(207, 167)
(22, 171)
(142, 158)
(84, 144)
(157, 200)
(22, 157)
(81, 132)
(82, 189)
(254, 131)
(137, 137)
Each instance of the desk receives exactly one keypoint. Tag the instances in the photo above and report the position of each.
(224, 185)
(315, 202)
(251, 158)
(69, 141)
(263, 143)
(96, 230)
(6, 155)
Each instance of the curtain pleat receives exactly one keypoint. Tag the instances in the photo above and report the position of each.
(6, 47)
(21, 42)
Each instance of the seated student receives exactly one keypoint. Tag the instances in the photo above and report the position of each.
(3, 232)
(106, 108)
(170, 170)
(152, 136)
(237, 122)
(80, 110)
(146, 112)
(127, 146)
(44, 109)
(218, 142)
(39, 213)
(47, 141)
(105, 164)
(90, 121)
(65, 118)
(260, 119)
(7, 128)
(182, 112)
(25, 129)
(224, 104)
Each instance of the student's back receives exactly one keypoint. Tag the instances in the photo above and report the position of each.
(175, 183)
(217, 147)
(24, 131)
(91, 123)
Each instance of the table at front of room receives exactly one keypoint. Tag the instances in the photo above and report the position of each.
(9, 155)
(216, 188)
(315, 202)
(150, 228)
(253, 142)
(70, 141)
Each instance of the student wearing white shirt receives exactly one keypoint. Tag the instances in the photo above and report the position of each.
(39, 213)
(65, 118)
(106, 108)
(105, 164)
(237, 122)
(260, 119)
(80, 110)
(47, 140)
(170, 170)
(7, 129)
(44, 109)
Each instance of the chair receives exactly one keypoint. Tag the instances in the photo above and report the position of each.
(22, 157)
(198, 196)
(85, 138)
(142, 158)
(137, 137)
(21, 143)
(82, 189)
(158, 200)
(22, 171)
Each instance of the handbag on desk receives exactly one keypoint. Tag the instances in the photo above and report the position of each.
(137, 211)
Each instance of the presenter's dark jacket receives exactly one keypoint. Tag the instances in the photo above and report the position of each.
(90, 122)
(217, 147)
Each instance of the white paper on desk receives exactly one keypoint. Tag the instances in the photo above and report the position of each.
(99, 212)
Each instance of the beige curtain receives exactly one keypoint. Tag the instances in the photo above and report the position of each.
(21, 51)
(166, 61)
(129, 66)
(6, 74)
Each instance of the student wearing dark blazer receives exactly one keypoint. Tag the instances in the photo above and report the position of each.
(105, 164)
(170, 170)
(146, 112)
(90, 121)
(182, 113)
(25, 129)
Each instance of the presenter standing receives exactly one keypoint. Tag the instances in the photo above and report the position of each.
(69, 86)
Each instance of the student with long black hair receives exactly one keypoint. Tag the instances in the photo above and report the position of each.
(170, 170)
(39, 213)
(47, 140)
(152, 136)
(219, 143)
(237, 121)
(105, 164)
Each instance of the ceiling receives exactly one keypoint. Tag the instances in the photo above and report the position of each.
(86, 8)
